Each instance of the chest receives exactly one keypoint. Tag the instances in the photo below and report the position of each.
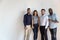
(52, 17)
(35, 18)
(28, 17)
(42, 18)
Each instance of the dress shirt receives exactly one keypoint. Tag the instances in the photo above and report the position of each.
(52, 25)
(44, 20)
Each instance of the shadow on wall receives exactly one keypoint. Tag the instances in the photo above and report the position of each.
(20, 26)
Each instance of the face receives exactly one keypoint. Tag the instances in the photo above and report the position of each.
(50, 11)
(42, 12)
(28, 11)
(35, 13)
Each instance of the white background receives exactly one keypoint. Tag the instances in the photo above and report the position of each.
(11, 16)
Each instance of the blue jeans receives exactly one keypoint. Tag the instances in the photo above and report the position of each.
(35, 31)
(53, 34)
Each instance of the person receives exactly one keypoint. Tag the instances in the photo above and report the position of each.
(35, 24)
(27, 23)
(52, 24)
(43, 25)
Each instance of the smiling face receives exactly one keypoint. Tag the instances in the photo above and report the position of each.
(28, 10)
(35, 13)
(50, 11)
(42, 11)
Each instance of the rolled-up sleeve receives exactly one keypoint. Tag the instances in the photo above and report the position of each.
(56, 18)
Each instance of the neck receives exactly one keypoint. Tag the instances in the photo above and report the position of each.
(28, 13)
(51, 13)
(42, 14)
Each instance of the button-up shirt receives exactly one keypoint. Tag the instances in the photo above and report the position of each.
(52, 25)
(44, 20)
(27, 19)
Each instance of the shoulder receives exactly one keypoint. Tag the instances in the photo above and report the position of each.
(54, 14)
(46, 16)
(25, 14)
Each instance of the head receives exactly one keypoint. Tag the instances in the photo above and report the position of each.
(42, 11)
(50, 11)
(28, 10)
(35, 13)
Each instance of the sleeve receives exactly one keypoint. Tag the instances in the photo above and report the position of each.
(31, 20)
(49, 17)
(47, 22)
(24, 20)
(56, 18)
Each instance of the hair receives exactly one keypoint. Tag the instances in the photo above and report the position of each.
(28, 9)
(50, 9)
(36, 12)
(43, 10)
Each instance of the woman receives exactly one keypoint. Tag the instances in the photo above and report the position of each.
(35, 23)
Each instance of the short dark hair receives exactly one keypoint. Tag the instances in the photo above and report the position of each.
(28, 9)
(50, 9)
(43, 9)
(34, 12)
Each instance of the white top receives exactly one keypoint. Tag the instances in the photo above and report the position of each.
(44, 20)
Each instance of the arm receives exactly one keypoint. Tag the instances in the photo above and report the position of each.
(24, 20)
(32, 23)
(55, 21)
(47, 22)
(38, 23)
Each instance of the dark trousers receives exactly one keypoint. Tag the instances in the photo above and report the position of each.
(43, 33)
(35, 31)
(53, 34)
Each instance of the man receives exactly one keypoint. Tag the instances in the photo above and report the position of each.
(43, 25)
(52, 24)
(27, 23)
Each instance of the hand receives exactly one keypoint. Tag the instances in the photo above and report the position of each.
(25, 28)
(38, 28)
(50, 20)
(32, 27)
(45, 27)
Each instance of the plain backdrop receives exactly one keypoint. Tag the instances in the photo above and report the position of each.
(11, 17)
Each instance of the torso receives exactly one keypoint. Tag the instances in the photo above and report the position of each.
(52, 24)
(35, 19)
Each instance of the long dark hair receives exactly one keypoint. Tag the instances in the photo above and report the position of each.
(34, 13)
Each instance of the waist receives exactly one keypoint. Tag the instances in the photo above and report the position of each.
(28, 26)
(28, 23)
(42, 24)
(35, 24)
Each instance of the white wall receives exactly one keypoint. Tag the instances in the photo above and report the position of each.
(11, 16)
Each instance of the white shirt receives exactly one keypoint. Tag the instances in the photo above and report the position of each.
(44, 20)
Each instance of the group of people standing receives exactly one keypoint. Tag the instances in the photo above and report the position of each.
(41, 23)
